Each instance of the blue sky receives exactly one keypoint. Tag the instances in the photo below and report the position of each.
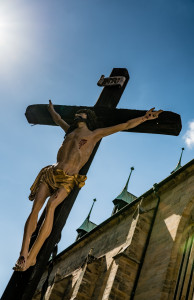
(58, 50)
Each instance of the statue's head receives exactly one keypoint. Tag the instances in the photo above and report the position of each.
(87, 116)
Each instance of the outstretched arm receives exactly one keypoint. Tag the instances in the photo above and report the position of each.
(150, 115)
(57, 118)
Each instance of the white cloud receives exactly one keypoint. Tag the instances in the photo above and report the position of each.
(189, 135)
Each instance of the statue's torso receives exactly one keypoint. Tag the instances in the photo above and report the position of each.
(75, 151)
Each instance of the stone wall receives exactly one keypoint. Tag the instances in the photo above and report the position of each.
(174, 217)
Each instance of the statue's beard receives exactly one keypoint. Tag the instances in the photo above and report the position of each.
(77, 120)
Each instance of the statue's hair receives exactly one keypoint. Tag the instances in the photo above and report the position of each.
(91, 120)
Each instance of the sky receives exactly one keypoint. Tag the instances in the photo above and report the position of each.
(58, 50)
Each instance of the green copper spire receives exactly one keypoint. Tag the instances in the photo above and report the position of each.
(87, 225)
(127, 183)
(124, 197)
(179, 163)
(88, 217)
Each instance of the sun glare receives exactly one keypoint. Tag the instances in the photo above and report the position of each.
(14, 37)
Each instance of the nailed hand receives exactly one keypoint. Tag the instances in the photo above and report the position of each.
(150, 114)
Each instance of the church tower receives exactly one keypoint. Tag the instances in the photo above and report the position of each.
(143, 251)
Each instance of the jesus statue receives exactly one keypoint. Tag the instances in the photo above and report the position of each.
(57, 181)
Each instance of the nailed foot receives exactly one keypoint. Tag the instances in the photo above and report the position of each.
(29, 263)
(20, 264)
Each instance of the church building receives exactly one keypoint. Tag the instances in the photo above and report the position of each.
(145, 250)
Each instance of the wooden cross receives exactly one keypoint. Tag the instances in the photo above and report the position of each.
(22, 285)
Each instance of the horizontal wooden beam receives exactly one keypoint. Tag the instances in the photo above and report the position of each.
(168, 122)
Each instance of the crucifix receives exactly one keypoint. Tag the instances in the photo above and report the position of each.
(62, 181)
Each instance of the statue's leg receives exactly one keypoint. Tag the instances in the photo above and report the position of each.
(47, 225)
(31, 223)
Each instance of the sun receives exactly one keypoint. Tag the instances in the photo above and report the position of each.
(14, 36)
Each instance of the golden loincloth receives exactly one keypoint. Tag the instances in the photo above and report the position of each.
(56, 179)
